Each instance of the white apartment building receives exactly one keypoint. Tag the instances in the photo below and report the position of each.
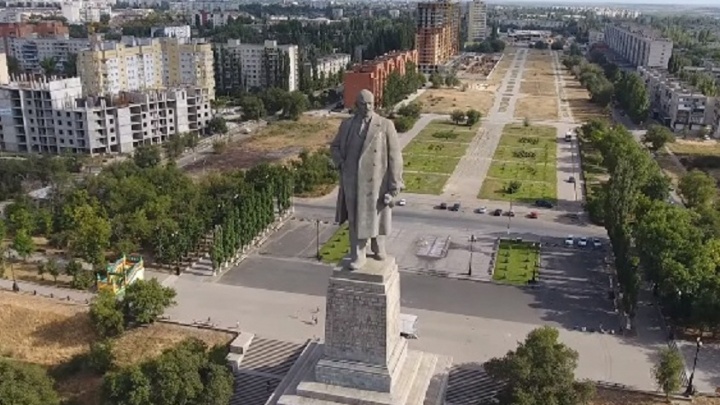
(477, 21)
(332, 64)
(4, 74)
(676, 104)
(180, 31)
(53, 117)
(241, 66)
(79, 11)
(640, 46)
(29, 51)
(595, 36)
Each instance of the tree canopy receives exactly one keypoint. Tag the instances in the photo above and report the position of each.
(25, 384)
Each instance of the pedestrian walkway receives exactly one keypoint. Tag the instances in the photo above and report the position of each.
(60, 293)
(469, 384)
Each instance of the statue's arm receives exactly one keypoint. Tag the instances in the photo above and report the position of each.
(335, 152)
(395, 160)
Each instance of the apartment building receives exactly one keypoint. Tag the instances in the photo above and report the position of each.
(180, 31)
(52, 116)
(31, 51)
(676, 104)
(438, 34)
(40, 29)
(240, 66)
(477, 21)
(132, 64)
(331, 65)
(639, 45)
(372, 75)
(595, 36)
(4, 73)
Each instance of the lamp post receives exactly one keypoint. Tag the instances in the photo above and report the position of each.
(317, 240)
(690, 389)
(509, 214)
(472, 240)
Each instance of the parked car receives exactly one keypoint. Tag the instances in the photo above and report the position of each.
(582, 242)
(442, 206)
(543, 204)
(533, 215)
(498, 212)
(596, 243)
(402, 202)
(568, 136)
(509, 213)
(480, 210)
(571, 179)
(455, 207)
(570, 241)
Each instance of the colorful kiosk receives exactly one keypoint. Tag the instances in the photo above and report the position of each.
(121, 274)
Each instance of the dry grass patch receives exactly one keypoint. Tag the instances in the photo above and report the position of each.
(444, 101)
(696, 148)
(497, 76)
(279, 141)
(578, 99)
(538, 88)
(52, 333)
(537, 108)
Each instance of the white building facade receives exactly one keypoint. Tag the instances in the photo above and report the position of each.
(241, 66)
(477, 21)
(332, 64)
(639, 45)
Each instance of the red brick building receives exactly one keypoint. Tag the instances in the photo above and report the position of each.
(41, 29)
(372, 75)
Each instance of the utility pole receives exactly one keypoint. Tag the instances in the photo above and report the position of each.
(472, 240)
(317, 240)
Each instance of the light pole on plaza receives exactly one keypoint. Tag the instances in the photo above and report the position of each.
(472, 240)
(690, 389)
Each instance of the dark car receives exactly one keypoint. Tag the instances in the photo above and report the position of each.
(498, 212)
(455, 207)
(543, 204)
(442, 206)
(510, 213)
(571, 179)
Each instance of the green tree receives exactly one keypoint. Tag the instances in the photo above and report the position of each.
(657, 136)
(49, 66)
(697, 189)
(147, 156)
(25, 384)
(217, 125)
(89, 236)
(14, 67)
(100, 358)
(145, 300)
(437, 80)
(540, 371)
(128, 386)
(70, 65)
(23, 244)
(294, 105)
(668, 371)
(53, 268)
(106, 316)
(473, 117)
(457, 116)
(252, 108)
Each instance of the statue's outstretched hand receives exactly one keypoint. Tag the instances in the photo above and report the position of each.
(388, 199)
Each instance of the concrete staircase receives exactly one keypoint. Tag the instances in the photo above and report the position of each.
(469, 384)
(261, 368)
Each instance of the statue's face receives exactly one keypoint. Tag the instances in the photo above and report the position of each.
(365, 106)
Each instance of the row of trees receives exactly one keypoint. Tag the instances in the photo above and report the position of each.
(397, 86)
(674, 248)
(272, 101)
(606, 83)
(17, 175)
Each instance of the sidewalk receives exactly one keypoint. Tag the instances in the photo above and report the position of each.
(61, 293)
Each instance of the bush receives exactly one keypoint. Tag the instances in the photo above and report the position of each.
(105, 314)
(412, 110)
(403, 123)
(445, 135)
(513, 187)
(100, 358)
(219, 147)
(82, 280)
(25, 384)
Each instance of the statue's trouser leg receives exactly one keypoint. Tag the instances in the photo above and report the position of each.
(357, 246)
(377, 245)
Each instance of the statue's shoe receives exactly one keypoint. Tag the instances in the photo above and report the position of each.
(380, 255)
(358, 263)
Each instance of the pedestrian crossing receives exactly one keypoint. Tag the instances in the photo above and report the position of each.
(263, 367)
(469, 384)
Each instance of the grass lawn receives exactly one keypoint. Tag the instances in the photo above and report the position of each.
(526, 154)
(494, 189)
(423, 183)
(430, 164)
(335, 249)
(516, 262)
(432, 156)
(522, 171)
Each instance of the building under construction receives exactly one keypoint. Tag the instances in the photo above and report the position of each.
(438, 34)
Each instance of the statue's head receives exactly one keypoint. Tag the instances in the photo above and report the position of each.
(365, 103)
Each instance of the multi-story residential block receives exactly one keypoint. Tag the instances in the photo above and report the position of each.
(53, 117)
(676, 104)
(595, 36)
(40, 29)
(4, 73)
(30, 51)
(372, 75)
(438, 34)
(641, 46)
(331, 65)
(337, 14)
(79, 11)
(477, 21)
(215, 18)
(146, 63)
(180, 31)
(241, 66)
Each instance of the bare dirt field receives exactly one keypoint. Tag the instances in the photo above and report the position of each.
(578, 99)
(444, 101)
(698, 154)
(278, 141)
(51, 333)
(537, 108)
(538, 88)
(501, 68)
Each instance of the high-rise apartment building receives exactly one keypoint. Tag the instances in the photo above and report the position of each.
(641, 46)
(438, 34)
(477, 21)
(31, 51)
(52, 116)
(241, 66)
(146, 63)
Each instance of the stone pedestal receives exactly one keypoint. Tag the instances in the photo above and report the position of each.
(364, 360)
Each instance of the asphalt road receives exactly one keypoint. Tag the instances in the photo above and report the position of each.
(466, 219)
(554, 304)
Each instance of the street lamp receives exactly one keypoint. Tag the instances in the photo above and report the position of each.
(690, 389)
(472, 240)
(317, 240)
